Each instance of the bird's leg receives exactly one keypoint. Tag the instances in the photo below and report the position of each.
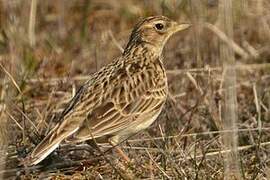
(119, 150)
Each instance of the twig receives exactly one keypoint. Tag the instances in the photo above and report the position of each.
(16, 122)
(155, 163)
(32, 21)
(29, 120)
(115, 42)
(237, 49)
(169, 72)
(11, 78)
(200, 134)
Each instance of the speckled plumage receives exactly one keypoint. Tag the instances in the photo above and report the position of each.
(120, 99)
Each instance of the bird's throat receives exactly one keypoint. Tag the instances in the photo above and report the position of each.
(143, 51)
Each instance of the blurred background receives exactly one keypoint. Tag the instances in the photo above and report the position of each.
(212, 116)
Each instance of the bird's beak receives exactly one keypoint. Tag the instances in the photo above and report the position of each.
(180, 27)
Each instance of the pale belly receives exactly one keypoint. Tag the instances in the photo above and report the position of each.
(143, 122)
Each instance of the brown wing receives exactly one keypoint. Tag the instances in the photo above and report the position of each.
(113, 117)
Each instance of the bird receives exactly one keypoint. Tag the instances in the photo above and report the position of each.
(122, 98)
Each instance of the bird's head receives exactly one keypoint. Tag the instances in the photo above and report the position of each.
(154, 31)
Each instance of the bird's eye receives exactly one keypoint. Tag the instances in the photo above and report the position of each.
(159, 26)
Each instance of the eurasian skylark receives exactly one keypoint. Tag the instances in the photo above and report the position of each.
(123, 97)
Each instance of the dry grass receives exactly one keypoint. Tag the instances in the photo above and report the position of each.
(48, 49)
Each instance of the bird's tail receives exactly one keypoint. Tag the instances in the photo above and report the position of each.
(43, 149)
(46, 147)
